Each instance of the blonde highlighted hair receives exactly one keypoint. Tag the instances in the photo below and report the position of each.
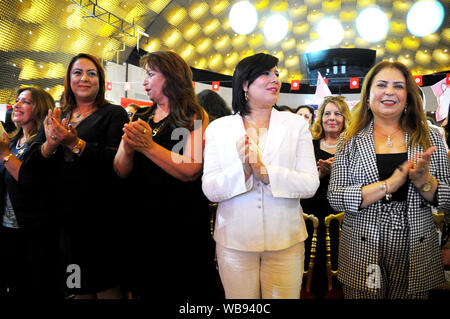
(317, 130)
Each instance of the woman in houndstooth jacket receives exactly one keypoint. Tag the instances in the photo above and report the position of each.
(390, 168)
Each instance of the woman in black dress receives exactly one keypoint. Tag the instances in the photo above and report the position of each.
(29, 236)
(171, 252)
(76, 149)
(332, 119)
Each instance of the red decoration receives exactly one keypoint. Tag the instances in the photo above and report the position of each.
(418, 79)
(295, 85)
(354, 83)
(447, 79)
(215, 85)
(108, 86)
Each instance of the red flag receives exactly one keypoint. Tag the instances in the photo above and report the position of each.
(127, 86)
(8, 106)
(215, 85)
(193, 84)
(326, 81)
(447, 79)
(295, 85)
(354, 83)
(418, 79)
(108, 86)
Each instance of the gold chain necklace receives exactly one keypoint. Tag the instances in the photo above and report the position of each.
(159, 127)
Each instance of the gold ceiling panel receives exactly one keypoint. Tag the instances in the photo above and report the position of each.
(215, 62)
(393, 45)
(153, 45)
(401, 5)
(331, 5)
(239, 41)
(347, 16)
(218, 6)
(279, 55)
(211, 26)
(423, 57)
(288, 44)
(283, 74)
(46, 39)
(172, 38)
(441, 56)
(313, 3)
(157, 5)
(431, 39)
(11, 35)
(314, 16)
(411, 43)
(406, 60)
(204, 46)
(191, 31)
(201, 63)
(298, 12)
(365, 3)
(176, 16)
(397, 27)
(255, 40)
(36, 11)
(231, 60)
(187, 52)
(292, 61)
(280, 6)
(445, 35)
(301, 28)
(261, 4)
(198, 10)
(223, 44)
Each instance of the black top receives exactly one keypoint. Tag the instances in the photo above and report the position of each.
(30, 209)
(87, 184)
(170, 220)
(387, 163)
(318, 205)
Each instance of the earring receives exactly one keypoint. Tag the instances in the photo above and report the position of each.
(246, 95)
(406, 106)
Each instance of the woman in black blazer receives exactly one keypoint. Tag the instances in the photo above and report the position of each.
(390, 168)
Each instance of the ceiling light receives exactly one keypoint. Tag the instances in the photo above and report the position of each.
(330, 30)
(275, 28)
(425, 17)
(372, 24)
(243, 17)
(316, 45)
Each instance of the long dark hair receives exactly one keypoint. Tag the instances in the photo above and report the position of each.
(69, 101)
(178, 88)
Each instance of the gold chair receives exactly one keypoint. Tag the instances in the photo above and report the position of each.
(330, 271)
(308, 273)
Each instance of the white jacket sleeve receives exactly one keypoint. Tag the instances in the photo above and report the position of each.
(300, 181)
(221, 183)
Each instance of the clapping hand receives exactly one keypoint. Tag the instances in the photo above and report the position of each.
(58, 131)
(419, 173)
(138, 136)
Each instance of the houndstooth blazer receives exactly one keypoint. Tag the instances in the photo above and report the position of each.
(355, 166)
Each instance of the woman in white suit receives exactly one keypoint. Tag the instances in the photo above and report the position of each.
(257, 164)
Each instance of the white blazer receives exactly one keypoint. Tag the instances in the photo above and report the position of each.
(252, 216)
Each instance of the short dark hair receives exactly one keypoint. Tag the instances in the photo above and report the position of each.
(249, 69)
(213, 104)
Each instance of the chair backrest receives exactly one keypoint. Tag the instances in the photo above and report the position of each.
(309, 272)
(330, 271)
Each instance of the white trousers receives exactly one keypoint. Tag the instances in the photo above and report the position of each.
(269, 274)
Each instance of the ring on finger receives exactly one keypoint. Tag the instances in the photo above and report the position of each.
(53, 137)
(145, 131)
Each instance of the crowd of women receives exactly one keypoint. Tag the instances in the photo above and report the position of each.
(99, 203)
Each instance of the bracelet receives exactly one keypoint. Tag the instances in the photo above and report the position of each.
(44, 153)
(6, 158)
(384, 188)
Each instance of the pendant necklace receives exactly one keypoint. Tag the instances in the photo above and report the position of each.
(388, 140)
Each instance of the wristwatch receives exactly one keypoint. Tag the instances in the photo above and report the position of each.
(77, 148)
(427, 186)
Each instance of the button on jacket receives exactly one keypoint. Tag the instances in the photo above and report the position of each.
(252, 216)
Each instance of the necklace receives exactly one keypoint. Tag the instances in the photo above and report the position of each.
(388, 140)
(78, 115)
(158, 128)
(326, 145)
